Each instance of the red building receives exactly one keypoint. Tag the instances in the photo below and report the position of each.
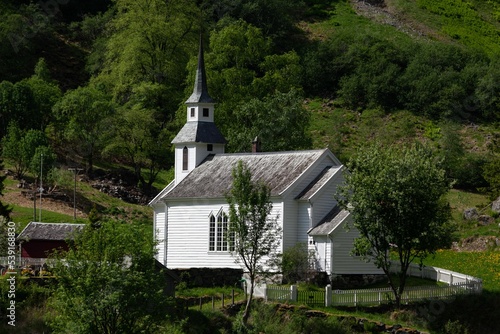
(38, 240)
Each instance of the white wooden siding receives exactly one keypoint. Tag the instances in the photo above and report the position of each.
(324, 200)
(188, 228)
(290, 223)
(303, 221)
(160, 236)
(342, 260)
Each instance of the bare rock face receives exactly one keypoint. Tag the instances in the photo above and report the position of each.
(470, 214)
(495, 206)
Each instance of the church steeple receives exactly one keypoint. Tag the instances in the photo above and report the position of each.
(199, 137)
(200, 90)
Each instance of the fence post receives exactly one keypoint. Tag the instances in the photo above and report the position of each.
(451, 278)
(265, 292)
(328, 295)
(293, 293)
(355, 298)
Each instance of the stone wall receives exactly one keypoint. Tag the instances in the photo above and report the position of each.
(210, 277)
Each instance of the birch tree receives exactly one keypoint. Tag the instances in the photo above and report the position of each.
(253, 234)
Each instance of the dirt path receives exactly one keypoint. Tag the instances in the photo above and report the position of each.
(13, 196)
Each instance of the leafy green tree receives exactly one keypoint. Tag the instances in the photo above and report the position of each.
(19, 147)
(396, 199)
(5, 210)
(138, 138)
(42, 162)
(256, 88)
(296, 263)
(491, 173)
(83, 117)
(150, 41)
(253, 234)
(279, 121)
(107, 282)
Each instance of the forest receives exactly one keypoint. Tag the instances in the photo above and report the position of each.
(88, 82)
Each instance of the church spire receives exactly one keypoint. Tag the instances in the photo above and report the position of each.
(200, 90)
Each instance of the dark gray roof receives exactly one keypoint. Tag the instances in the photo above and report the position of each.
(199, 132)
(318, 182)
(49, 231)
(213, 177)
(330, 222)
(200, 90)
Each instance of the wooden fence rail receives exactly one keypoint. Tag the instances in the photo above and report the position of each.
(458, 284)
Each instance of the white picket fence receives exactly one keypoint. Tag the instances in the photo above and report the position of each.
(457, 284)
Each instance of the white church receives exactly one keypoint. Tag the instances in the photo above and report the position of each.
(191, 213)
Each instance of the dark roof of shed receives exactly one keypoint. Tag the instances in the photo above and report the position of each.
(199, 132)
(49, 231)
(330, 222)
(213, 177)
(318, 182)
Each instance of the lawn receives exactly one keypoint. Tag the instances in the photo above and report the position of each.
(483, 265)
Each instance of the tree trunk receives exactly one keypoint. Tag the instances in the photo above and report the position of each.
(246, 314)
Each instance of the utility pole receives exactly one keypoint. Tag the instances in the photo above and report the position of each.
(41, 186)
(75, 171)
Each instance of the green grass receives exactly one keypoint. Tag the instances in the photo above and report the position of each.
(23, 216)
(470, 23)
(202, 292)
(483, 265)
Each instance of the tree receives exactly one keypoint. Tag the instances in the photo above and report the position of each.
(256, 90)
(395, 197)
(253, 234)
(138, 138)
(108, 284)
(19, 148)
(297, 262)
(83, 118)
(5, 210)
(279, 120)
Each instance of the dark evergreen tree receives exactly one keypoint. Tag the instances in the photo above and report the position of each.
(5, 210)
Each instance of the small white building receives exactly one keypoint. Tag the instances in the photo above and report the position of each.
(191, 213)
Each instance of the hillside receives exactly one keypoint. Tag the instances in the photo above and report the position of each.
(390, 71)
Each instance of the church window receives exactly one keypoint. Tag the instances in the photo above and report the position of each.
(192, 112)
(205, 112)
(185, 158)
(220, 240)
(210, 147)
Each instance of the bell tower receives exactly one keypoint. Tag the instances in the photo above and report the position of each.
(199, 137)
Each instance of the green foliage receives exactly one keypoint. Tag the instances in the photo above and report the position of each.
(491, 173)
(268, 318)
(23, 149)
(279, 121)
(395, 197)
(254, 234)
(83, 117)
(296, 262)
(108, 283)
(256, 89)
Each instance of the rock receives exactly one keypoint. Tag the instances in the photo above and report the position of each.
(485, 220)
(470, 214)
(495, 206)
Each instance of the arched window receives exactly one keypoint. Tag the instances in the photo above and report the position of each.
(211, 244)
(220, 240)
(185, 158)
